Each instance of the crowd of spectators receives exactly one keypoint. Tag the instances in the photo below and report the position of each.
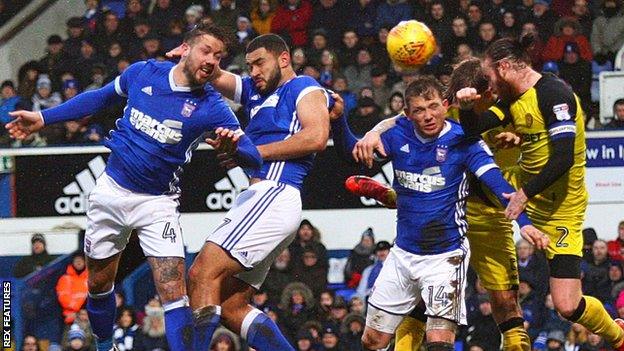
(314, 317)
(339, 43)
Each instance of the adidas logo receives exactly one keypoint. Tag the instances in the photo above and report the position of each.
(405, 148)
(78, 191)
(147, 90)
(227, 189)
(386, 176)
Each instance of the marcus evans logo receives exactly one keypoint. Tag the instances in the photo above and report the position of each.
(169, 131)
(227, 189)
(427, 182)
(75, 201)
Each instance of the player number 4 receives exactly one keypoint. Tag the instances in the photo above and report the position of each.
(169, 233)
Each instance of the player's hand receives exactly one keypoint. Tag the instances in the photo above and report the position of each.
(517, 203)
(507, 140)
(467, 97)
(364, 149)
(535, 237)
(176, 52)
(24, 124)
(338, 109)
(225, 141)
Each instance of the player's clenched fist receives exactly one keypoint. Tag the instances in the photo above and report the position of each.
(24, 124)
(467, 97)
(535, 237)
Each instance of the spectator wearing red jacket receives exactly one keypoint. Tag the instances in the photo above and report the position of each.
(292, 19)
(567, 30)
(71, 288)
(616, 246)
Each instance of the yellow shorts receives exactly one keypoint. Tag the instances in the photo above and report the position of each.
(556, 213)
(492, 245)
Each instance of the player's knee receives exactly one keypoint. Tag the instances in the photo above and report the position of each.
(505, 305)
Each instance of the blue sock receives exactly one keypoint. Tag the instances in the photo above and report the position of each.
(179, 325)
(101, 309)
(205, 322)
(262, 333)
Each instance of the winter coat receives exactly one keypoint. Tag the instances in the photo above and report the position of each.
(29, 264)
(556, 45)
(72, 291)
(607, 34)
(293, 22)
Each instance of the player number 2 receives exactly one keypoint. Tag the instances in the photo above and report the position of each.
(169, 233)
(564, 234)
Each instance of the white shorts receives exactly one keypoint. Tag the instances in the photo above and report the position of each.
(259, 226)
(405, 279)
(115, 211)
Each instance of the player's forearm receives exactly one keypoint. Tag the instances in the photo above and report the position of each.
(303, 143)
(384, 125)
(494, 180)
(247, 155)
(344, 140)
(82, 105)
(225, 83)
(474, 124)
(559, 162)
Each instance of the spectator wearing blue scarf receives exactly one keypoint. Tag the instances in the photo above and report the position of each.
(370, 273)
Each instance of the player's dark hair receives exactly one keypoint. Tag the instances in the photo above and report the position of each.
(513, 49)
(273, 43)
(206, 28)
(468, 74)
(424, 86)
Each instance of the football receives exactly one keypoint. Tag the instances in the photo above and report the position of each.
(410, 44)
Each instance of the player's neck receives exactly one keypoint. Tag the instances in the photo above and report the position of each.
(287, 75)
(527, 78)
(179, 78)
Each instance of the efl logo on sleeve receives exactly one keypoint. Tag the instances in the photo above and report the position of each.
(562, 112)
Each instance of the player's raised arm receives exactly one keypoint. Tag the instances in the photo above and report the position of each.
(85, 104)
(314, 119)
(474, 124)
(234, 148)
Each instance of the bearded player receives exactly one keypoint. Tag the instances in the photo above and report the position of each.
(550, 175)
(167, 114)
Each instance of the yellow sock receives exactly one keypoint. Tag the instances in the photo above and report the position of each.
(516, 339)
(596, 319)
(409, 334)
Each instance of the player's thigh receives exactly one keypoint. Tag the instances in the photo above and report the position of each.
(157, 221)
(565, 234)
(394, 294)
(443, 283)
(107, 232)
(493, 253)
(263, 217)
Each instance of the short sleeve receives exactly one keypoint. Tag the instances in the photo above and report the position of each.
(479, 157)
(303, 85)
(557, 104)
(221, 115)
(386, 140)
(244, 90)
(123, 81)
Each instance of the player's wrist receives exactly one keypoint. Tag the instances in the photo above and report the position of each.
(40, 114)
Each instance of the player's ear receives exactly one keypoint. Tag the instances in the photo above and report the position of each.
(186, 49)
(284, 59)
(445, 103)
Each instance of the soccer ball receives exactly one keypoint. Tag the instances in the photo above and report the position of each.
(410, 44)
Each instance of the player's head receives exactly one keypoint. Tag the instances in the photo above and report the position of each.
(470, 74)
(203, 47)
(505, 62)
(425, 105)
(268, 58)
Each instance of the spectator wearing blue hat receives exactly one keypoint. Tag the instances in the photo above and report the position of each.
(77, 340)
(551, 67)
(70, 89)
